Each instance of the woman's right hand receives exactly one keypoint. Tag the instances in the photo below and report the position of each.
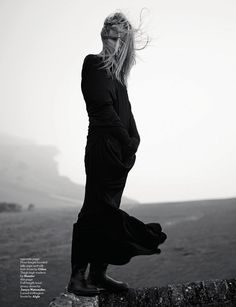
(131, 148)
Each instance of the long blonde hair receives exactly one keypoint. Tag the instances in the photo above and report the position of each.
(119, 62)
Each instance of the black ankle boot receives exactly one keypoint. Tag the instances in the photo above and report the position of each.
(98, 278)
(78, 284)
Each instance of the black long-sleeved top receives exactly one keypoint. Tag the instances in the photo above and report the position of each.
(107, 103)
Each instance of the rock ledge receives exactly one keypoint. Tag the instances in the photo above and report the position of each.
(202, 293)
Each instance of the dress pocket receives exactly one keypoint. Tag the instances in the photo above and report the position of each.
(117, 156)
(115, 147)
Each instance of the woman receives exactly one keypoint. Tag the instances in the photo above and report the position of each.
(104, 234)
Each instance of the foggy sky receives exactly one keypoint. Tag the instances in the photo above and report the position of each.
(182, 87)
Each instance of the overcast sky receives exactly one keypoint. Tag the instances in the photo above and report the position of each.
(182, 89)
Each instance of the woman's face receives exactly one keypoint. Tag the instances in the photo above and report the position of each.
(113, 40)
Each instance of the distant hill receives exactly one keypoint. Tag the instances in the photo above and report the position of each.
(179, 208)
(29, 174)
(173, 213)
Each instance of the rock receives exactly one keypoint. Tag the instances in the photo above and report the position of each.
(212, 293)
(67, 299)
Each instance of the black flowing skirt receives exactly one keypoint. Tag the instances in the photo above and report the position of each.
(103, 231)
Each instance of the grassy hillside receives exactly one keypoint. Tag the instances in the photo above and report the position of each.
(201, 245)
(29, 174)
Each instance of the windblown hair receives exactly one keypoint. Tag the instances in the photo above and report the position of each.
(119, 62)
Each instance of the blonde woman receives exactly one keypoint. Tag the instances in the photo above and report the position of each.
(105, 234)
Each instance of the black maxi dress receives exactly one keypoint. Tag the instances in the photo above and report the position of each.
(103, 231)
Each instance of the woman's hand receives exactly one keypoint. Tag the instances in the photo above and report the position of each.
(131, 148)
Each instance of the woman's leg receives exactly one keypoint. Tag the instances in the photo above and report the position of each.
(78, 284)
(97, 277)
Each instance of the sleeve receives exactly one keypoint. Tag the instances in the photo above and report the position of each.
(97, 94)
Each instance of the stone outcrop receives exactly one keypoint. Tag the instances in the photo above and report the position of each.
(202, 293)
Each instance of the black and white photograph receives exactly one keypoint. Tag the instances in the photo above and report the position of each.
(117, 153)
